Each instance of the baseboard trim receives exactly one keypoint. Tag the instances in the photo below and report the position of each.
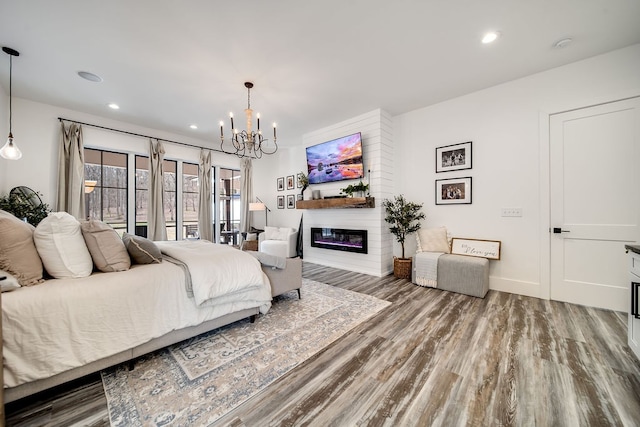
(513, 286)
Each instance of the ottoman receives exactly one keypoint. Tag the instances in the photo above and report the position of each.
(462, 274)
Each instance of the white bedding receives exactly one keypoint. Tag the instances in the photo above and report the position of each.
(66, 323)
(234, 271)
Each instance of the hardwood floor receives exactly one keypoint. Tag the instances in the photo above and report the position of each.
(431, 358)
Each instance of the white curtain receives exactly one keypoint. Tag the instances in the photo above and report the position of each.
(157, 229)
(71, 172)
(205, 210)
(246, 195)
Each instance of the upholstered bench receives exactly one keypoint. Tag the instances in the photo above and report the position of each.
(286, 279)
(462, 274)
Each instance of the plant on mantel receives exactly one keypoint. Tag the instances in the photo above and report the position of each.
(303, 181)
(351, 189)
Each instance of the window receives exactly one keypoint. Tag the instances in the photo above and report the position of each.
(142, 196)
(229, 186)
(106, 200)
(190, 201)
(170, 184)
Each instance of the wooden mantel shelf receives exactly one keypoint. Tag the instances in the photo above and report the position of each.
(339, 203)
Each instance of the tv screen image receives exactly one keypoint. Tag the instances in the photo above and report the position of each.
(335, 160)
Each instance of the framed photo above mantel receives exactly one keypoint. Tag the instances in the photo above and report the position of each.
(453, 157)
(280, 183)
(474, 247)
(453, 191)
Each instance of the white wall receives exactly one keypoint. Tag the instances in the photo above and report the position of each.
(510, 163)
(37, 131)
(377, 137)
(4, 131)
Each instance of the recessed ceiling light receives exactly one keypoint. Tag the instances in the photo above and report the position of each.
(90, 76)
(562, 43)
(193, 126)
(490, 37)
(114, 106)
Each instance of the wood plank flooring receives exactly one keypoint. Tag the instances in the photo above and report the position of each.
(431, 358)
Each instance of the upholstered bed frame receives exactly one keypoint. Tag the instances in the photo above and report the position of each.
(282, 280)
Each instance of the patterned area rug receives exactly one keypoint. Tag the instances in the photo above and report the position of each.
(199, 380)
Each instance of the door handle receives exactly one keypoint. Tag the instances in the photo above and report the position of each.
(558, 230)
(634, 299)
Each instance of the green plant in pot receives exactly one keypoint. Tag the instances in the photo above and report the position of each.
(303, 181)
(351, 189)
(404, 218)
(25, 206)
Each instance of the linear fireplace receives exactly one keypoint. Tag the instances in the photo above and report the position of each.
(339, 239)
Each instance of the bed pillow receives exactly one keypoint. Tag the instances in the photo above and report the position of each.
(142, 250)
(105, 246)
(61, 246)
(433, 240)
(18, 253)
(8, 282)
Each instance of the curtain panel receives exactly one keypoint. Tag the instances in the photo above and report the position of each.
(205, 210)
(71, 172)
(157, 229)
(246, 196)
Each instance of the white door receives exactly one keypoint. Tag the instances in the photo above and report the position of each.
(595, 202)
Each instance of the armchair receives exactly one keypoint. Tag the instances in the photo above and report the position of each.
(278, 241)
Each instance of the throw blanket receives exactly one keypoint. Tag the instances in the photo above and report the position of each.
(427, 269)
(269, 260)
(217, 271)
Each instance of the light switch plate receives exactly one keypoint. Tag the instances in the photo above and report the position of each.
(512, 212)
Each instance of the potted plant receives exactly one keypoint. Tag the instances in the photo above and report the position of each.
(403, 217)
(24, 208)
(303, 181)
(358, 188)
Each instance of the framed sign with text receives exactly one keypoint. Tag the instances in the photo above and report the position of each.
(473, 247)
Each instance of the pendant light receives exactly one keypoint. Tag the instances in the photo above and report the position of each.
(10, 150)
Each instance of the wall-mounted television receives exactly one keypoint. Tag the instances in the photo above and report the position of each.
(335, 160)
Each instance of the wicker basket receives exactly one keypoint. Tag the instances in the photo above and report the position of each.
(402, 267)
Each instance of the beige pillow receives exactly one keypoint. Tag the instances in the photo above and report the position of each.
(142, 250)
(60, 244)
(433, 240)
(105, 246)
(18, 253)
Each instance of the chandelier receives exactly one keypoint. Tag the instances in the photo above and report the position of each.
(247, 143)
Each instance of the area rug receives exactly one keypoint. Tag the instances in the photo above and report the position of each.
(199, 380)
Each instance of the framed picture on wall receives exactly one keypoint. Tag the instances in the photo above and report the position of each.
(280, 183)
(291, 201)
(474, 247)
(290, 183)
(453, 157)
(454, 191)
(280, 202)
(298, 177)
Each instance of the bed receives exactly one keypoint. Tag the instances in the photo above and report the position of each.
(66, 328)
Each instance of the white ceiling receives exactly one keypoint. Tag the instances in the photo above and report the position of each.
(172, 63)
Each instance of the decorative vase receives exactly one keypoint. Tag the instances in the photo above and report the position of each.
(402, 267)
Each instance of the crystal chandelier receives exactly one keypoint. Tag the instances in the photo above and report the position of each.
(247, 143)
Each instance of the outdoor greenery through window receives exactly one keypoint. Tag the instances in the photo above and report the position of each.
(229, 186)
(105, 175)
(142, 196)
(190, 201)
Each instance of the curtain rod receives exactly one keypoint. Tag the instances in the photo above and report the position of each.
(62, 119)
